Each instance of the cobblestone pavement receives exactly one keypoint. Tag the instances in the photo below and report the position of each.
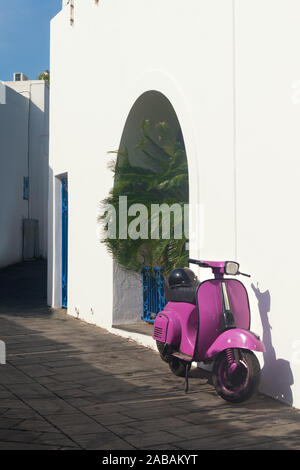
(70, 385)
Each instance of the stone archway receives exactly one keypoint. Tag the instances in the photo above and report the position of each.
(127, 286)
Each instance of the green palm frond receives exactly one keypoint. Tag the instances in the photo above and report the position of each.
(162, 179)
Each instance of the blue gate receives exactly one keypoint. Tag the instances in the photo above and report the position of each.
(64, 242)
(153, 293)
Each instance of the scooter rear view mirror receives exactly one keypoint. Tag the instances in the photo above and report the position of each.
(231, 268)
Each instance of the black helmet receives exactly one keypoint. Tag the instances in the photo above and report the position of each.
(182, 277)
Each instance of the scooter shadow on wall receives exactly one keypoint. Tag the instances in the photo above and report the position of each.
(276, 376)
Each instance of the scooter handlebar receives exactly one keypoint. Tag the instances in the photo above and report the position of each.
(198, 262)
(193, 261)
(213, 265)
(244, 274)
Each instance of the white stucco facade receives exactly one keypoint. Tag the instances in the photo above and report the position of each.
(231, 71)
(24, 142)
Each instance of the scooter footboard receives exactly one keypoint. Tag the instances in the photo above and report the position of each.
(236, 338)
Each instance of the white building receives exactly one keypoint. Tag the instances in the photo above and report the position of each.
(228, 73)
(24, 136)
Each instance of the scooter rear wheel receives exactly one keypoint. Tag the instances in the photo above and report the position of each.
(240, 385)
(177, 366)
(161, 348)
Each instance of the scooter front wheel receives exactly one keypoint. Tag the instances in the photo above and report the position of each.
(236, 382)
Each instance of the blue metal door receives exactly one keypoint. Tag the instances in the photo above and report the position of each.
(64, 244)
(153, 293)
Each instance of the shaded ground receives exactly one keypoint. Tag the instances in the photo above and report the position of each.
(70, 385)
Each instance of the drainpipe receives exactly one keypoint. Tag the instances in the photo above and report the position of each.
(28, 149)
(28, 144)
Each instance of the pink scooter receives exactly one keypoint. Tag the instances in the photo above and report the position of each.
(209, 322)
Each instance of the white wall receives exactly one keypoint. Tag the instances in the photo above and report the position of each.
(89, 111)
(127, 297)
(13, 164)
(23, 138)
(230, 70)
(268, 175)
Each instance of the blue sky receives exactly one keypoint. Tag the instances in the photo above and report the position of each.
(24, 36)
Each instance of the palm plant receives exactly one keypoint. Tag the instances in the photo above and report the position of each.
(44, 76)
(163, 178)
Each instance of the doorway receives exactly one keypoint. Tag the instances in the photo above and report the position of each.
(64, 242)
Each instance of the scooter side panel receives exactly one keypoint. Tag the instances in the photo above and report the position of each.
(177, 325)
(167, 325)
(160, 327)
(236, 338)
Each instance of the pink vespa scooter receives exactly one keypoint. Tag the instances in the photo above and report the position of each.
(209, 322)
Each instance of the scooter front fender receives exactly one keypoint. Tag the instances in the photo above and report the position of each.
(235, 338)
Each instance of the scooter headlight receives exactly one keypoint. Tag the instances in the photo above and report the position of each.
(231, 268)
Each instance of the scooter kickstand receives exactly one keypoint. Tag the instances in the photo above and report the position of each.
(187, 368)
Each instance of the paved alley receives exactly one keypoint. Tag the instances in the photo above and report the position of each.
(71, 385)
